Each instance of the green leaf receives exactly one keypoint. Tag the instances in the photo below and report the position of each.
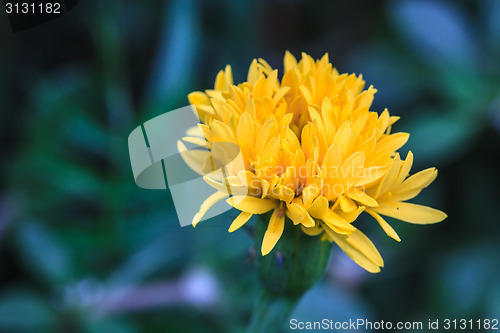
(43, 254)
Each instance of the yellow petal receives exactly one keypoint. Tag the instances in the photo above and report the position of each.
(251, 204)
(359, 124)
(318, 207)
(222, 132)
(391, 175)
(332, 157)
(220, 81)
(383, 121)
(393, 119)
(250, 108)
(215, 97)
(315, 116)
(207, 133)
(342, 136)
(228, 76)
(412, 186)
(196, 141)
(245, 131)
(370, 175)
(289, 62)
(292, 140)
(198, 98)
(308, 195)
(265, 66)
(337, 223)
(205, 206)
(328, 116)
(361, 197)
(365, 99)
(225, 112)
(347, 205)
(295, 212)
(360, 249)
(393, 142)
(308, 221)
(307, 94)
(267, 131)
(228, 185)
(352, 216)
(194, 131)
(410, 212)
(286, 194)
(194, 158)
(265, 188)
(249, 179)
(312, 231)
(386, 226)
(280, 94)
(350, 169)
(239, 221)
(405, 169)
(253, 72)
(274, 231)
(271, 83)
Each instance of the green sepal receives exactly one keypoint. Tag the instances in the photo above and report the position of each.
(295, 264)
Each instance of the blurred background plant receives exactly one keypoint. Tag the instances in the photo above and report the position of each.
(82, 249)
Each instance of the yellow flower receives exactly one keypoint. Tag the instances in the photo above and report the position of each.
(313, 152)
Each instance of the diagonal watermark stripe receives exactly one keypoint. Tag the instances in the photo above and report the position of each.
(159, 159)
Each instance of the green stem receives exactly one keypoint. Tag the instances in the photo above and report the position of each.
(295, 264)
(270, 312)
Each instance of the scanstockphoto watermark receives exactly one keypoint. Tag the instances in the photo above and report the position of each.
(447, 324)
(348, 170)
(341, 177)
(353, 325)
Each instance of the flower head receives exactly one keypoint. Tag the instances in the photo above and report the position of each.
(311, 151)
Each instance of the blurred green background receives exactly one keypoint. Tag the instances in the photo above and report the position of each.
(83, 249)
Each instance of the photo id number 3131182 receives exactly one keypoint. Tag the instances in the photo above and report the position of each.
(33, 8)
